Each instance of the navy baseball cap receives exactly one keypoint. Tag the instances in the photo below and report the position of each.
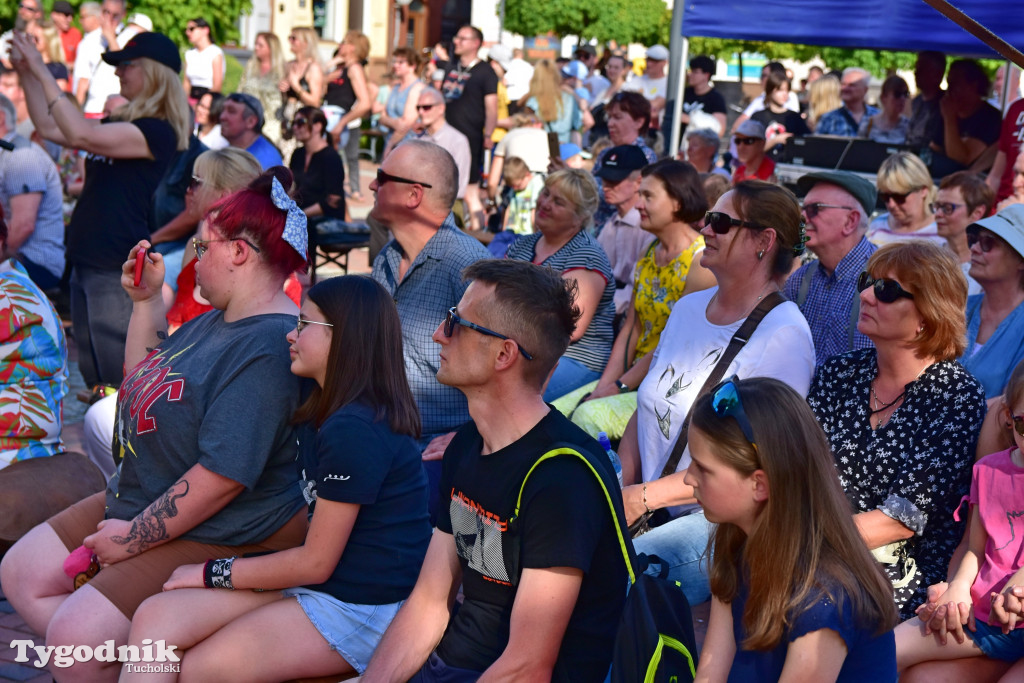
(155, 46)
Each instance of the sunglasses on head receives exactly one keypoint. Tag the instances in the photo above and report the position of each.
(747, 141)
(453, 319)
(725, 401)
(984, 240)
(898, 198)
(812, 210)
(722, 223)
(887, 290)
(385, 177)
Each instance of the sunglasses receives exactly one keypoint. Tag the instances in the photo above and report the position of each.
(884, 197)
(201, 246)
(747, 141)
(195, 183)
(385, 177)
(425, 107)
(887, 290)
(725, 401)
(945, 208)
(299, 121)
(812, 210)
(189, 29)
(453, 319)
(300, 324)
(721, 223)
(984, 240)
(1018, 423)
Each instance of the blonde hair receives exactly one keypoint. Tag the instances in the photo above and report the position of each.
(903, 173)
(515, 170)
(545, 87)
(579, 187)
(360, 42)
(54, 49)
(824, 97)
(224, 171)
(252, 67)
(310, 40)
(161, 98)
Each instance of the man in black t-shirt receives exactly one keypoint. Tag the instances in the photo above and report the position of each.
(700, 97)
(543, 591)
(470, 90)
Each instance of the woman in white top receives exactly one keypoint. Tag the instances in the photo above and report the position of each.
(906, 190)
(889, 126)
(204, 63)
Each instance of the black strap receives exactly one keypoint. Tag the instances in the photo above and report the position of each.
(737, 342)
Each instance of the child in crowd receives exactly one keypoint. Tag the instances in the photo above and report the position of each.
(795, 592)
(527, 186)
(322, 607)
(989, 569)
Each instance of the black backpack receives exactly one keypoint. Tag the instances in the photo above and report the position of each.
(655, 641)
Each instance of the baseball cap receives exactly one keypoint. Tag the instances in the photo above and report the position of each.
(1007, 224)
(575, 69)
(140, 20)
(620, 161)
(63, 7)
(155, 46)
(751, 129)
(859, 188)
(658, 52)
(500, 54)
(251, 102)
(588, 49)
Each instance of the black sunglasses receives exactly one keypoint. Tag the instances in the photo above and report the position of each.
(722, 223)
(812, 210)
(984, 240)
(886, 290)
(425, 107)
(195, 183)
(299, 121)
(747, 141)
(884, 197)
(385, 177)
(453, 319)
(725, 401)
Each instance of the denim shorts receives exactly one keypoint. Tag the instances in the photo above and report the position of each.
(995, 644)
(351, 630)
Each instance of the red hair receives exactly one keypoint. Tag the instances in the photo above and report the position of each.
(251, 214)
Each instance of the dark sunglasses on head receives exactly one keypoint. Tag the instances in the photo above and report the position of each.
(747, 141)
(725, 401)
(385, 177)
(887, 290)
(425, 107)
(1018, 423)
(884, 197)
(812, 210)
(722, 223)
(984, 240)
(453, 319)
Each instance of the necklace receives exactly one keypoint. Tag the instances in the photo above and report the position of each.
(881, 405)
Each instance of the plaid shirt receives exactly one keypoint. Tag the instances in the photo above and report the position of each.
(829, 302)
(431, 286)
(841, 122)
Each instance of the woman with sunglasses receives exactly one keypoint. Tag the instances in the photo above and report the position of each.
(204, 432)
(319, 173)
(322, 606)
(205, 66)
(995, 318)
(889, 126)
(906, 190)
(750, 240)
(796, 595)
(903, 417)
(564, 211)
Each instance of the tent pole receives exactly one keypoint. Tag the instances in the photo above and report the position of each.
(978, 31)
(1005, 95)
(678, 47)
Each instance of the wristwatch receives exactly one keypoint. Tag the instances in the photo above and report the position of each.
(623, 388)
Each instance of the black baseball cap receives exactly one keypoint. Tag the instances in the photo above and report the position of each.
(621, 161)
(155, 46)
(63, 7)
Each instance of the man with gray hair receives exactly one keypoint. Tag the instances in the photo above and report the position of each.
(845, 120)
(241, 124)
(32, 200)
(702, 147)
(421, 267)
(836, 210)
(432, 127)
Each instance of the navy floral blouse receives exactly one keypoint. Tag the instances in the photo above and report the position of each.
(914, 468)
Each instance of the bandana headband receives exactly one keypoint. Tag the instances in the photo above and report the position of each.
(295, 221)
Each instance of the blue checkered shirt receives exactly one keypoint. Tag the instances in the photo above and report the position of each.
(829, 302)
(835, 123)
(431, 286)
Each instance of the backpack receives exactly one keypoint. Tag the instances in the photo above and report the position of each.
(654, 642)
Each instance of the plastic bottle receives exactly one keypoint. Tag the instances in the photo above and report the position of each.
(606, 444)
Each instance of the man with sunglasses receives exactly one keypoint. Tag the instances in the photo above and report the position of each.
(750, 144)
(836, 210)
(432, 126)
(421, 268)
(549, 610)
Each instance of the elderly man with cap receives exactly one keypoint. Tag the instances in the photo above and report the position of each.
(621, 237)
(241, 124)
(836, 210)
(750, 142)
(654, 82)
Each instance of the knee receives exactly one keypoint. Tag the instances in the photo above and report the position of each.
(19, 573)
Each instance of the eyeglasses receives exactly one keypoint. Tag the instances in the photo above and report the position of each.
(189, 29)
(202, 245)
(898, 198)
(28, 8)
(300, 324)
(425, 107)
(812, 210)
(747, 141)
(945, 208)
(721, 223)
(1018, 423)
(725, 401)
(984, 240)
(385, 177)
(453, 319)
(195, 183)
(887, 290)
(299, 121)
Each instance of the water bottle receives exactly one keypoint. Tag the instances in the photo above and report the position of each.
(606, 444)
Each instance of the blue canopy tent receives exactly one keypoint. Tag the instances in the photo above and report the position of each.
(912, 25)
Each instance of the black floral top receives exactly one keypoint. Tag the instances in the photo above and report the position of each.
(914, 468)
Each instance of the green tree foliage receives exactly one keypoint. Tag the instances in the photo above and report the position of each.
(625, 21)
(878, 62)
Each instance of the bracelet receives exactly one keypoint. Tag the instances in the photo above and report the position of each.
(217, 573)
(647, 510)
(623, 387)
(53, 103)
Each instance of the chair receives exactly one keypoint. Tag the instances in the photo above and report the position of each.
(334, 247)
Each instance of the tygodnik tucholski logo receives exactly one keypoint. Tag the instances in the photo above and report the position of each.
(152, 657)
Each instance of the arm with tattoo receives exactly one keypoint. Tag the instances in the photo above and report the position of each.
(150, 528)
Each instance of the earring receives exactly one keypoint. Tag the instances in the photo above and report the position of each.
(760, 255)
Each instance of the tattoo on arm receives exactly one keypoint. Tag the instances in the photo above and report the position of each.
(150, 527)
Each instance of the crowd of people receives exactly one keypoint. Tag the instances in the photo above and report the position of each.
(815, 404)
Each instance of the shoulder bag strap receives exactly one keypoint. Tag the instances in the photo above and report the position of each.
(737, 342)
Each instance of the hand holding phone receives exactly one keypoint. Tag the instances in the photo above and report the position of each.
(140, 262)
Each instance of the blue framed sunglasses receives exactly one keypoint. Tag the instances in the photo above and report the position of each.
(725, 401)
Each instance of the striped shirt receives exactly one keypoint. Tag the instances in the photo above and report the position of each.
(582, 252)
